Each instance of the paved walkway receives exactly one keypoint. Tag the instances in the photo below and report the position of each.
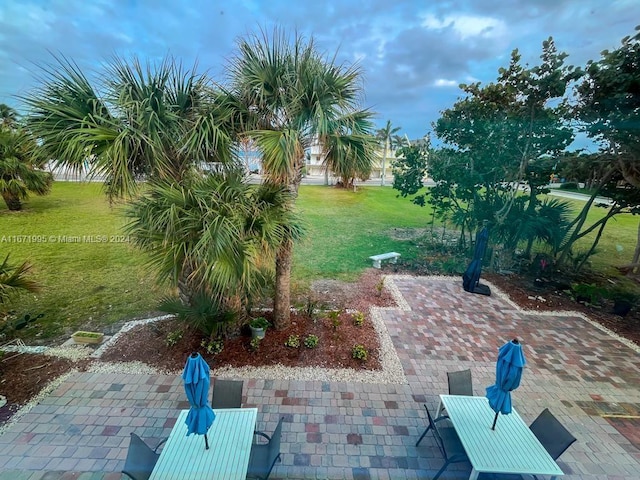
(340, 430)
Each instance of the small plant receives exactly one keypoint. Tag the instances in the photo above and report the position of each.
(254, 345)
(311, 341)
(380, 287)
(293, 341)
(334, 316)
(174, 337)
(310, 308)
(589, 293)
(259, 322)
(358, 319)
(359, 352)
(213, 346)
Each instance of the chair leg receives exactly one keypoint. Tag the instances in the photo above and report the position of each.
(444, 467)
(422, 436)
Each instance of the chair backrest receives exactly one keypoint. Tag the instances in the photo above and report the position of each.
(274, 443)
(460, 383)
(140, 459)
(227, 394)
(436, 433)
(552, 434)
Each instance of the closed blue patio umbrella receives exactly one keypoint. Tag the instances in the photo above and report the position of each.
(508, 374)
(196, 386)
(471, 276)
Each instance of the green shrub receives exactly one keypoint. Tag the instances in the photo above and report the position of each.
(569, 186)
(174, 337)
(259, 322)
(293, 341)
(589, 292)
(254, 345)
(358, 319)
(311, 341)
(213, 346)
(204, 313)
(334, 316)
(359, 352)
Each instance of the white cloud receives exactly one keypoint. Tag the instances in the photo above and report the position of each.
(467, 26)
(443, 82)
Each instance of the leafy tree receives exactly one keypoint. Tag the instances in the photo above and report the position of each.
(20, 172)
(498, 136)
(609, 104)
(289, 95)
(385, 137)
(409, 171)
(213, 237)
(139, 122)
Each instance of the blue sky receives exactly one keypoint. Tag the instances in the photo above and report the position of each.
(413, 54)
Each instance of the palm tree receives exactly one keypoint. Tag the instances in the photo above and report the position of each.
(14, 279)
(291, 95)
(19, 168)
(213, 237)
(385, 136)
(8, 116)
(157, 121)
(349, 153)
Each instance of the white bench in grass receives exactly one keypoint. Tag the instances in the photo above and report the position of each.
(393, 256)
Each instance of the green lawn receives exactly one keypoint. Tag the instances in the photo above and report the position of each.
(345, 228)
(92, 277)
(88, 272)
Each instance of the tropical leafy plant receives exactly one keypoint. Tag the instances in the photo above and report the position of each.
(293, 341)
(311, 341)
(20, 172)
(359, 352)
(139, 122)
(203, 312)
(15, 279)
(291, 96)
(214, 236)
(385, 137)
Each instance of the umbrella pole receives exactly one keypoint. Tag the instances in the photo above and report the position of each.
(493, 427)
(206, 442)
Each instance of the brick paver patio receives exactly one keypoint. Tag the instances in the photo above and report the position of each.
(339, 430)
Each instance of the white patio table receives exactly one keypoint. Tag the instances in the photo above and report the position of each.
(185, 458)
(510, 448)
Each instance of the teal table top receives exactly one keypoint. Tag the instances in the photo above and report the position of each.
(185, 458)
(510, 448)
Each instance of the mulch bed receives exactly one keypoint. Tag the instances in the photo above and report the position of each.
(23, 375)
(147, 343)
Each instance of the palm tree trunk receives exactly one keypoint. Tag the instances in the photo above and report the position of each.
(282, 300)
(384, 159)
(13, 202)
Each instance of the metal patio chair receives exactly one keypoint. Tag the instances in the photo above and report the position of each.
(460, 383)
(448, 442)
(265, 455)
(141, 458)
(227, 394)
(553, 436)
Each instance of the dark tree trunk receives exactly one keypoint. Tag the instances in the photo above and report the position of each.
(13, 202)
(282, 300)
